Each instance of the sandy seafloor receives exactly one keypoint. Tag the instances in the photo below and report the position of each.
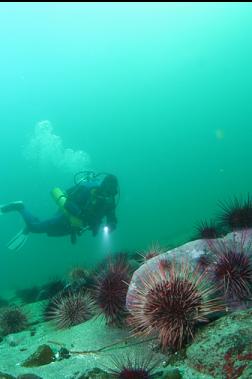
(91, 335)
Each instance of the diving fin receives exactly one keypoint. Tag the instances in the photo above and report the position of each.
(18, 241)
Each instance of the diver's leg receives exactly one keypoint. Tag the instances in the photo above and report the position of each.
(33, 224)
(58, 226)
(55, 226)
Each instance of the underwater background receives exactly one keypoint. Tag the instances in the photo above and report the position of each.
(157, 94)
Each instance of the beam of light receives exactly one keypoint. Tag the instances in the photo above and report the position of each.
(106, 230)
(106, 240)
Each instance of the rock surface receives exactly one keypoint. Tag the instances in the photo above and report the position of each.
(223, 349)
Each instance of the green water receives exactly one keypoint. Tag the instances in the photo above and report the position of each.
(158, 94)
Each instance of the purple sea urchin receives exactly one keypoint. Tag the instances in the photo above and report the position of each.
(13, 320)
(171, 304)
(70, 309)
(110, 290)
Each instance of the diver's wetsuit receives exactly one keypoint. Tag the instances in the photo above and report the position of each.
(83, 203)
(55, 226)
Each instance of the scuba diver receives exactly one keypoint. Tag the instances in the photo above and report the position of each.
(82, 207)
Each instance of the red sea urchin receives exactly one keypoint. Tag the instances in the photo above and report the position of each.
(171, 304)
(153, 251)
(207, 230)
(70, 309)
(110, 290)
(237, 214)
(232, 267)
(134, 367)
(13, 320)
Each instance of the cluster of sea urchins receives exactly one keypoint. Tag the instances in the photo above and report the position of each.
(172, 303)
(107, 296)
(172, 300)
(236, 214)
(229, 260)
(110, 289)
